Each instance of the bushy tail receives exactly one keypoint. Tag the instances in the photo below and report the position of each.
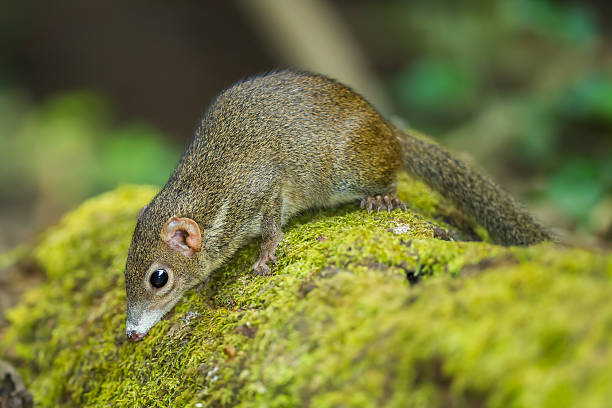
(506, 220)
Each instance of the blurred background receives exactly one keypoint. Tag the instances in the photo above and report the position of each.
(99, 93)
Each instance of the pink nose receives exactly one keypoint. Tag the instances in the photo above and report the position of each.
(132, 335)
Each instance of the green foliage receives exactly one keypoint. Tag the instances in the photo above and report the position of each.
(519, 83)
(67, 149)
(134, 154)
(573, 23)
(337, 324)
(576, 187)
(431, 84)
(590, 98)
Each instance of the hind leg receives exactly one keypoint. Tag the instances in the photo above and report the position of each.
(380, 202)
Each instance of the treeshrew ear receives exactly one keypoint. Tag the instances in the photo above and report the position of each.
(182, 235)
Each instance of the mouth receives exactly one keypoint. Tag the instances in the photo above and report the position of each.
(134, 336)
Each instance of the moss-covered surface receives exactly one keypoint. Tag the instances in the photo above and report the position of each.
(337, 325)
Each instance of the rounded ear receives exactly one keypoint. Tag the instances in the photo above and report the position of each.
(182, 235)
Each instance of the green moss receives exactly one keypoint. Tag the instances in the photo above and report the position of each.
(338, 324)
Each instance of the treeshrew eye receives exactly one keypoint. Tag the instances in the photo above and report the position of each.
(159, 278)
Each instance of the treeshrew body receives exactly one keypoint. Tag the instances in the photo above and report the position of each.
(274, 145)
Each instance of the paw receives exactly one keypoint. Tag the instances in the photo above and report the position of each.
(261, 267)
(387, 202)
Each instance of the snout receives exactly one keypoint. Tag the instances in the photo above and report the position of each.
(134, 336)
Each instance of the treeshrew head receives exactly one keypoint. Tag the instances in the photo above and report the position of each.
(162, 264)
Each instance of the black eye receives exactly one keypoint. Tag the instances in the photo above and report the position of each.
(159, 278)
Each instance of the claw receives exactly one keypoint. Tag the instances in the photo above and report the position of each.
(369, 204)
(261, 269)
(387, 202)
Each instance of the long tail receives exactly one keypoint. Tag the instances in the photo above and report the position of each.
(507, 221)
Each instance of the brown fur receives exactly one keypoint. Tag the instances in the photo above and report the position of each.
(273, 145)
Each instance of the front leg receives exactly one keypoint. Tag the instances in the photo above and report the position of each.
(272, 235)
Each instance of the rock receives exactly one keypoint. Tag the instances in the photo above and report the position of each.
(338, 324)
(12, 391)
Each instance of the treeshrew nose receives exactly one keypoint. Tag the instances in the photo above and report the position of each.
(132, 335)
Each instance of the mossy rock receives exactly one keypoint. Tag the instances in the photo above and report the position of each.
(337, 325)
